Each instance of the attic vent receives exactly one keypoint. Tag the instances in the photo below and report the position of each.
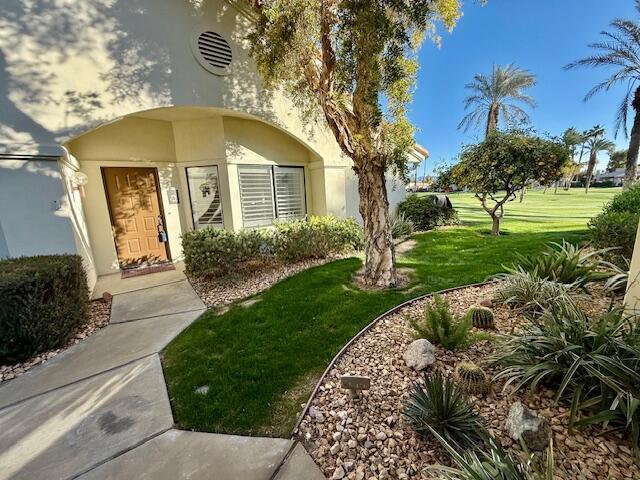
(213, 52)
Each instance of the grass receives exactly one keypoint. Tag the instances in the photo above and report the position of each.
(261, 361)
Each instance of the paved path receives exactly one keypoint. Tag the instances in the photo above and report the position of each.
(100, 410)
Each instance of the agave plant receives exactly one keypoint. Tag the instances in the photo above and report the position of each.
(493, 464)
(619, 279)
(594, 364)
(441, 406)
(564, 263)
(401, 226)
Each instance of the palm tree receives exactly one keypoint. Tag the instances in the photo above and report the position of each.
(572, 138)
(620, 50)
(596, 143)
(497, 96)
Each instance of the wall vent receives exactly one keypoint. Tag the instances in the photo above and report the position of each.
(213, 52)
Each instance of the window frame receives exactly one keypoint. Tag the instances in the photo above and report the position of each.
(194, 225)
(274, 194)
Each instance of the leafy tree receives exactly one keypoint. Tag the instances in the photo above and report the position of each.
(497, 168)
(498, 95)
(355, 61)
(444, 178)
(617, 159)
(620, 50)
(596, 143)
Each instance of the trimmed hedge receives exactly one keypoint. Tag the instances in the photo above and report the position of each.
(617, 225)
(43, 301)
(425, 214)
(213, 252)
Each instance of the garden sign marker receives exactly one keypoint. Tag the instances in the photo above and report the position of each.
(355, 383)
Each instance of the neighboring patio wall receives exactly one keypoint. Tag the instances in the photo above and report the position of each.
(632, 299)
(35, 214)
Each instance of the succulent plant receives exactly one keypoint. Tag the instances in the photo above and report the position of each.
(482, 317)
(472, 378)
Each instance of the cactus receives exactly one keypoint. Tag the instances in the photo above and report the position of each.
(472, 378)
(482, 317)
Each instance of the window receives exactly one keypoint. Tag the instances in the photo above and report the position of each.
(204, 193)
(271, 193)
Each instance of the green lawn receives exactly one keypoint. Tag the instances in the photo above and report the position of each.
(260, 360)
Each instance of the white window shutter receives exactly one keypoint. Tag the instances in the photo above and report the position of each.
(256, 195)
(290, 194)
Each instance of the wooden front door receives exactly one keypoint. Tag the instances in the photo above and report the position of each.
(134, 206)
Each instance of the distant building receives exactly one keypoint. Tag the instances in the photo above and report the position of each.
(615, 176)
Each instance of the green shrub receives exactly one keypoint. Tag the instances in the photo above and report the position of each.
(615, 230)
(534, 294)
(440, 327)
(494, 464)
(593, 363)
(401, 226)
(317, 237)
(441, 406)
(43, 300)
(617, 225)
(212, 252)
(425, 214)
(563, 263)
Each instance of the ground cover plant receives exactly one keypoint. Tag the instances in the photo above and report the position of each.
(592, 363)
(43, 300)
(259, 359)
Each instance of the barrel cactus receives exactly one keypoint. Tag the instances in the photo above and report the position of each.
(472, 378)
(482, 317)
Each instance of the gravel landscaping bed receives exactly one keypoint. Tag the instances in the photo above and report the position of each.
(99, 312)
(366, 438)
(223, 291)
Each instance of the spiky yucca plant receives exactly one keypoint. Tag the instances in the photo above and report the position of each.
(440, 327)
(472, 378)
(482, 317)
(441, 406)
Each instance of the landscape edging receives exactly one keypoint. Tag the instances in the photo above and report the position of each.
(365, 330)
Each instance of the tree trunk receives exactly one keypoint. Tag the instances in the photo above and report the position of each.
(555, 189)
(593, 157)
(492, 120)
(379, 268)
(523, 191)
(495, 227)
(631, 169)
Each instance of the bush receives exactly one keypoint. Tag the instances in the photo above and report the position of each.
(317, 237)
(563, 263)
(534, 294)
(401, 226)
(213, 252)
(617, 225)
(43, 300)
(593, 363)
(439, 326)
(615, 229)
(423, 212)
(441, 406)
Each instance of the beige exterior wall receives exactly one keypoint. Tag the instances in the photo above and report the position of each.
(632, 298)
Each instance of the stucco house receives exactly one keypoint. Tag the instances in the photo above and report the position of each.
(124, 123)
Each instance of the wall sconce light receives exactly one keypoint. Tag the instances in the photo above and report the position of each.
(79, 180)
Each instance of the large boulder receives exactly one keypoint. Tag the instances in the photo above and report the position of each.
(420, 354)
(523, 423)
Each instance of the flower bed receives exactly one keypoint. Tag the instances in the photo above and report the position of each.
(366, 437)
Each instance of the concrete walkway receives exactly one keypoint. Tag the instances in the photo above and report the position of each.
(100, 410)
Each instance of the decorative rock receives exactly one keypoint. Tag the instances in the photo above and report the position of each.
(486, 302)
(203, 390)
(420, 354)
(523, 423)
(338, 474)
(316, 414)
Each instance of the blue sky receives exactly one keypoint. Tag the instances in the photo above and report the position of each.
(539, 35)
